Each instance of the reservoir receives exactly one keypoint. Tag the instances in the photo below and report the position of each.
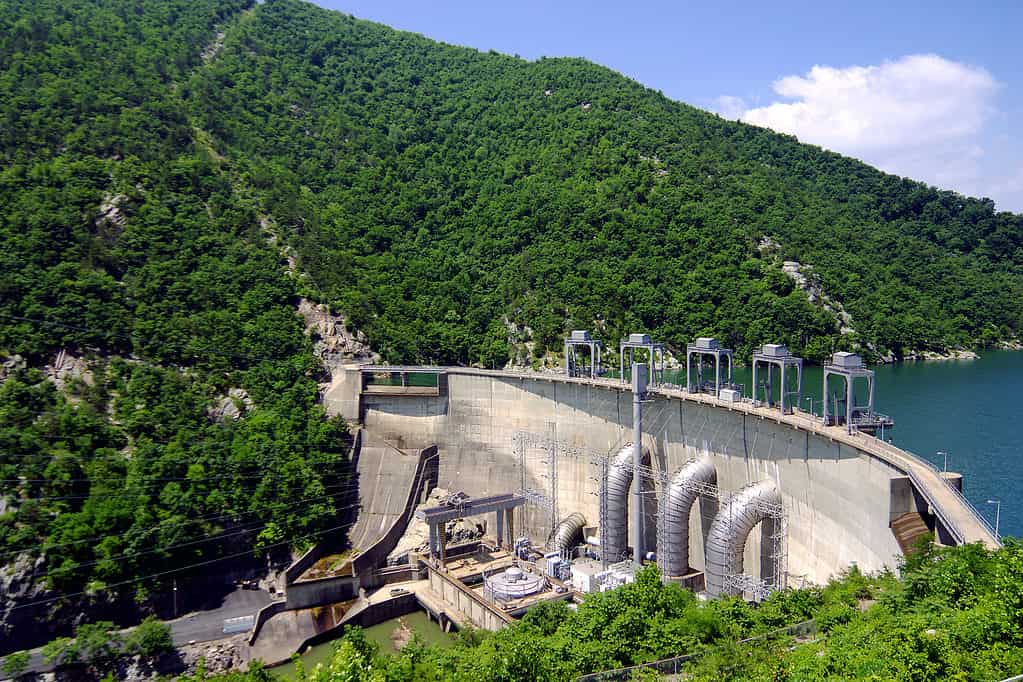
(970, 409)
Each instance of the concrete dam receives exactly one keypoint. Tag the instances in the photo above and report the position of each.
(716, 469)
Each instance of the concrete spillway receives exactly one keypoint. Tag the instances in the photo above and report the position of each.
(840, 491)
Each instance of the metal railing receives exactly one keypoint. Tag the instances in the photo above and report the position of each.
(959, 494)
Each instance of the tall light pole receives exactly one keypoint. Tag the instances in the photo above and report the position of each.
(944, 454)
(639, 385)
(809, 399)
(998, 512)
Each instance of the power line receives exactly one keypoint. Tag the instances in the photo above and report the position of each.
(137, 341)
(106, 588)
(274, 479)
(217, 536)
(217, 516)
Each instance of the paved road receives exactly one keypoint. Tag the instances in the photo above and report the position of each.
(201, 626)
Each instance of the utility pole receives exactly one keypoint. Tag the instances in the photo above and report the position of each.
(639, 381)
(175, 597)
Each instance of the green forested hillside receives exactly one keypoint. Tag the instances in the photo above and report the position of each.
(157, 155)
(173, 298)
(431, 191)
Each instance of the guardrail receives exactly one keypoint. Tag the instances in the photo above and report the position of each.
(956, 491)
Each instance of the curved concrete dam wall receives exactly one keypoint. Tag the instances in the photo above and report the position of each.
(839, 497)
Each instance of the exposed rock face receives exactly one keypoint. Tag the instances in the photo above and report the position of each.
(11, 365)
(232, 406)
(211, 51)
(952, 354)
(20, 584)
(110, 218)
(67, 368)
(219, 656)
(333, 343)
(807, 280)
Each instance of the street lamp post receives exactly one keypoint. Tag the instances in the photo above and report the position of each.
(809, 399)
(998, 512)
(944, 454)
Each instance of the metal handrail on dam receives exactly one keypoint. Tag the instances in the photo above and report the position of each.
(963, 522)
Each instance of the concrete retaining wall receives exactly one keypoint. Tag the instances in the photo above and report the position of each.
(838, 499)
(309, 593)
(423, 481)
(477, 610)
(263, 615)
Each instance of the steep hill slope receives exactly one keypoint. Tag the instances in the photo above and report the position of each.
(433, 191)
(140, 307)
(159, 158)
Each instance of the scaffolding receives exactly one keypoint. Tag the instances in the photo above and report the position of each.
(777, 355)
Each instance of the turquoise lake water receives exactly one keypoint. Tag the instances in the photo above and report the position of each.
(971, 409)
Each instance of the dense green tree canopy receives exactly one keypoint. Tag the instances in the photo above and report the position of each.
(125, 241)
(162, 160)
(432, 192)
(954, 615)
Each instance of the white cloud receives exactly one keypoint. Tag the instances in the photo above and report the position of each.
(921, 116)
(730, 107)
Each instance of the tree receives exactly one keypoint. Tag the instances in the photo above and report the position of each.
(16, 663)
(61, 651)
(150, 638)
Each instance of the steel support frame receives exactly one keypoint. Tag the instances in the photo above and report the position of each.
(656, 351)
(850, 374)
(571, 358)
(717, 353)
(782, 363)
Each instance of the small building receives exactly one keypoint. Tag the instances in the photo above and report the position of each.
(585, 576)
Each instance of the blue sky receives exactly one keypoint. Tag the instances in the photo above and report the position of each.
(929, 90)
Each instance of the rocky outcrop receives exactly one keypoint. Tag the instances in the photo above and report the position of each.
(218, 656)
(68, 368)
(211, 51)
(333, 343)
(951, 354)
(231, 406)
(810, 282)
(20, 584)
(10, 365)
(110, 218)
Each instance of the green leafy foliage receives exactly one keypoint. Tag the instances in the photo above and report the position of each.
(149, 638)
(432, 192)
(876, 627)
(126, 242)
(152, 171)
(16, 663)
